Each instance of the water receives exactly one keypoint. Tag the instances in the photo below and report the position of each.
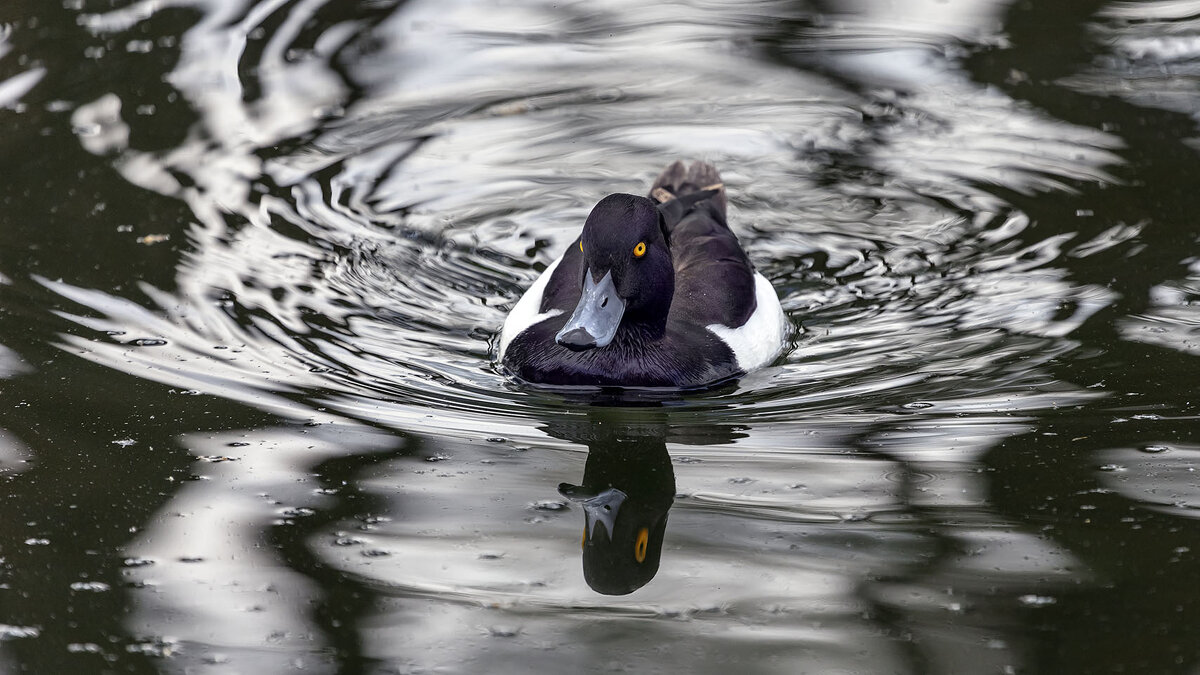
(254, 256)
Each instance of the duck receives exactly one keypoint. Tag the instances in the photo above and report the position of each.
(655, 292)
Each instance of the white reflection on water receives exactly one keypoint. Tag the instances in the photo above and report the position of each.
(212, 585)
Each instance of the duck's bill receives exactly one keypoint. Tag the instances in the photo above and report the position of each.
(596, 317)
(600, 509)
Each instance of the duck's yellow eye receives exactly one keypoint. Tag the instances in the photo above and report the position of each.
(643, 540)
(639, 251)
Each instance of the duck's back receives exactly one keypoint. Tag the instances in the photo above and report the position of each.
(714, 280)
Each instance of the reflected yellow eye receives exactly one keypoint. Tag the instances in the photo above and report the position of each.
(639, 251)
(643, 540)
(583, 542)
(581, 246)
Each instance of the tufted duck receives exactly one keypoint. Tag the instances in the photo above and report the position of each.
(654, 293)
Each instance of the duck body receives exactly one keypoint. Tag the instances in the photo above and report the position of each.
(654, 293)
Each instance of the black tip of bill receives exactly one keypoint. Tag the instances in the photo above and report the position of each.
(576, 339)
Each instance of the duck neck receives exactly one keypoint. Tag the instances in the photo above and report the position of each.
(648, 321)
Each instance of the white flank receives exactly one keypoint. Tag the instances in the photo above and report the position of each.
(525, 313)
(758, 341)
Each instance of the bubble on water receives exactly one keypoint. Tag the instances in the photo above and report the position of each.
(496, 439)
(490, 556)
(1154, 449)
(1111, 467)
(347, 541)
(90, 586)
(504, 631)
(439, 457)
(376, 553)
(917, 405)
(137, 562)
(549, 505)
(147, 342)
(124, 442)
(216, 459)
(34, 541)
(741, 480)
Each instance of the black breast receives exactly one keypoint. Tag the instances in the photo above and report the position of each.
(683, 357)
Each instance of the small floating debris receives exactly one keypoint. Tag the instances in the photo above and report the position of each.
(504, 631)
(157, 647)
(147, 342)
(549, 505)
(90, 586)
(83, 648)
(8, 632)
(152, 239)
(137, 562)
(439, 457)
(1033, 600)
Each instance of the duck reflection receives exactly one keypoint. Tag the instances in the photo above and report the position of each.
(627, 490)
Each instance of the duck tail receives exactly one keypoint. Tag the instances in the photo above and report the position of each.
(678, 180)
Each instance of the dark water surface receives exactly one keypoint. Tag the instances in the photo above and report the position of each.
(254, 255)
